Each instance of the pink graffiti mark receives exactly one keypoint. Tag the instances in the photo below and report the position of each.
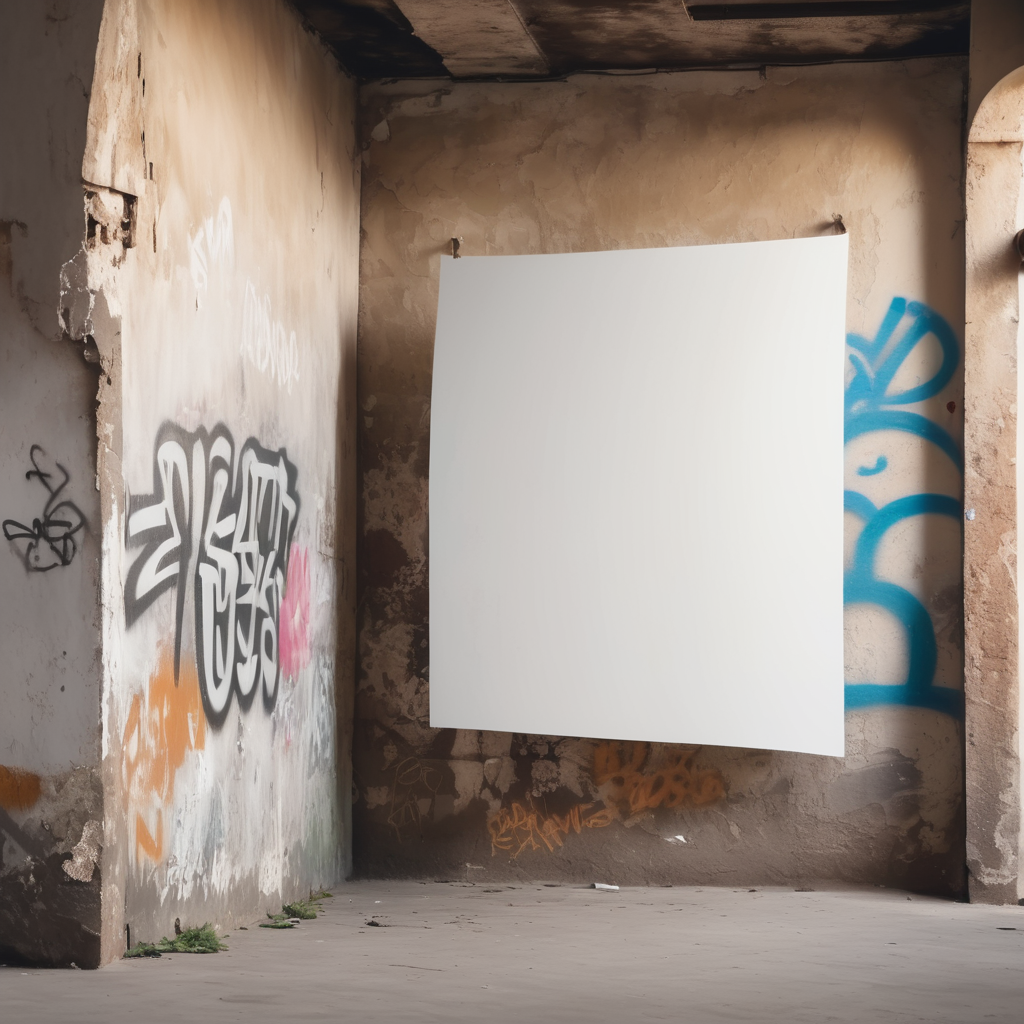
(294, 638)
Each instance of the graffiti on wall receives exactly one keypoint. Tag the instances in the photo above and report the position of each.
(523, 826)
(212, 245)
(162, 727)
(875, 403)
(294, 638)
(266, 344)
(630, 784)
(50, 541)
(630, 779)
(413, 793)
(217, 528)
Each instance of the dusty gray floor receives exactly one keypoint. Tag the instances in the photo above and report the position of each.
(496, 954)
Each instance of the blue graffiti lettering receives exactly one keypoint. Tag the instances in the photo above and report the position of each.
(881, 464)
(870, 403)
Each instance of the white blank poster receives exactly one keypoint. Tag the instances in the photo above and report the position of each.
(636, 495)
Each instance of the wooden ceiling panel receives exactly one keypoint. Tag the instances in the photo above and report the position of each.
(371, 38)
(600, 35)
(537, 38)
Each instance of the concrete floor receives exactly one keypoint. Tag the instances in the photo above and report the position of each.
(532, 953)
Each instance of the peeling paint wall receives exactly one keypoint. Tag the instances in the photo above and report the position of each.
(222, 143)
(615, 162)
(50, 792)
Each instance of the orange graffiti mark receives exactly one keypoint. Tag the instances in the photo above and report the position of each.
(520, 828)
(626, 785)
(163, 726)
(19, 790)
(625, 780)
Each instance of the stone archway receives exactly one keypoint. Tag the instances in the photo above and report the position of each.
(995, 212)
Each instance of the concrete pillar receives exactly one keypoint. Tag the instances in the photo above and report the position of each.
(993, 201)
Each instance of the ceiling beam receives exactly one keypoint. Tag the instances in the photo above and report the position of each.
(476, 37)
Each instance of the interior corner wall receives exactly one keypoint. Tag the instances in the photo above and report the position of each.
(997, 47)
(51, 802)
(223, 136)
(679, 159)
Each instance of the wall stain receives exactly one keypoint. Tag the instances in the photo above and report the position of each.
(162, 728)
(384, 551)
(19, 790)
(85, 854)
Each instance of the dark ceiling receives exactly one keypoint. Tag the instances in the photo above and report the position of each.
(552, 38)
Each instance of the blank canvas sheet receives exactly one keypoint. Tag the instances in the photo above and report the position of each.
(636, 495)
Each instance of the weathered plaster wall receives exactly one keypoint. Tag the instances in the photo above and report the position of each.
(228, 462)
(610, 162)
(50, 793)
(995, 212)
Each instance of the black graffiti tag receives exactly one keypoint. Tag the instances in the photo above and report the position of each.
(242, 567)
(224, 526)
(51, 538)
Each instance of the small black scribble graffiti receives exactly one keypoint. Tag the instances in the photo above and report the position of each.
(51, 538)
(413, 794)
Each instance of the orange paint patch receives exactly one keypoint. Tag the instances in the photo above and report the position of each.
(629, 783)
(18, 790)
(162, 728)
